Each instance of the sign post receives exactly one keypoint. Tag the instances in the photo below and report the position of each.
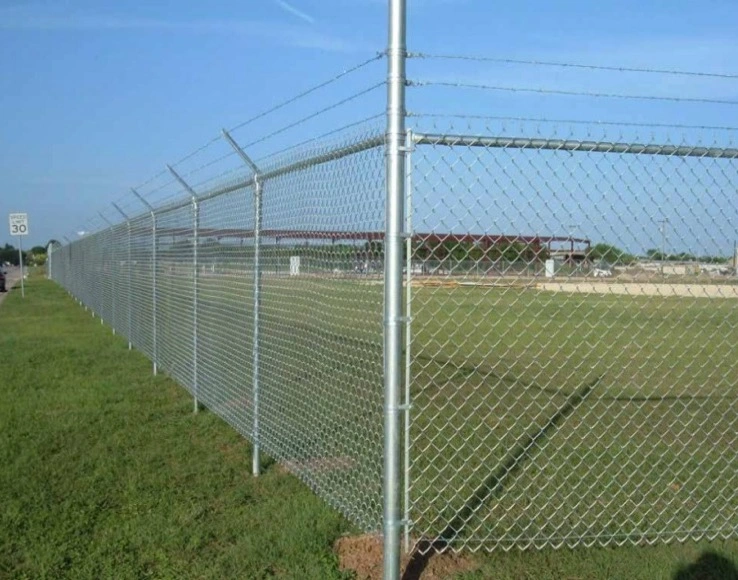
(19, 227)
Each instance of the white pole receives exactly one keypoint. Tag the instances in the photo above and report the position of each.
(20, 256)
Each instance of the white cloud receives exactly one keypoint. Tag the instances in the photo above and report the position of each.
(286, 6)
(280, 33)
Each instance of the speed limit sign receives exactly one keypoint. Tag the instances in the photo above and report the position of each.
(18, 224)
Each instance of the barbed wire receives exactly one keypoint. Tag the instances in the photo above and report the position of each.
(417, 114)
(282, 105)
(559, 64)
(196, 151)
(209, 163)
(545, 91)
(147, 195)
(315, 114)
(314, 88)
(319, 137)
(262, 160)
(152, 179)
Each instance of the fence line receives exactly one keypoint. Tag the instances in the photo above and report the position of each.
(472, 339)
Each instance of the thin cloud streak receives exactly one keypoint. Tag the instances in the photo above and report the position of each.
(287, 7)
(289, 35)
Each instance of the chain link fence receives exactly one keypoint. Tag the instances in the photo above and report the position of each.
(569, 326)
(274, 323)
(556, 400)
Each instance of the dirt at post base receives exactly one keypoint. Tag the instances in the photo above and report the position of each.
(363, 555)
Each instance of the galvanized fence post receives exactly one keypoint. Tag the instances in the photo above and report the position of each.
(110, 244)
(258, 189)
(257, 308)
(128, 266)
(393, 319)
(153, 277)
(154, 295)
(128, 263)
(408, 328)
(195, 229)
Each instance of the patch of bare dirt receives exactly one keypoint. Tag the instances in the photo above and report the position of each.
(363, 555)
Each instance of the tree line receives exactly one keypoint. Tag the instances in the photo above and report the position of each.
(36, 256)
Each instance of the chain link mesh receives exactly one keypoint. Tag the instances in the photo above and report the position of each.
(180, 283)
(571, 310)
(574, 320)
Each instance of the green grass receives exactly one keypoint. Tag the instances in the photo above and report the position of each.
(645, 446)
(106, 472)
(646, 455)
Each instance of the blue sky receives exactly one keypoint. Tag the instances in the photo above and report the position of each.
(97, 96)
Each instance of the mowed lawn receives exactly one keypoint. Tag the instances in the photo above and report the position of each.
(108, 474)
(541, 418)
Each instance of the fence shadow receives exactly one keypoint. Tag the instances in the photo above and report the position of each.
(511, 379)
(494, 484)
(709, 566)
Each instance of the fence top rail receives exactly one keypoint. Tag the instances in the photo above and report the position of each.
(244, 182)
(572, 145)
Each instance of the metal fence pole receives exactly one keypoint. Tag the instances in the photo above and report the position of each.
(154, 297)
(128, 262)
(257, 308)
(153, 276)
(408, 330)
(393, 320)
(195, 289)
(258, 189)
(112, 281)
(195, 228)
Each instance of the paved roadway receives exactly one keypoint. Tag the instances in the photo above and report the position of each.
(12, 278)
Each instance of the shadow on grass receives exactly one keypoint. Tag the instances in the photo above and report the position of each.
(465, 370)
(494, 484)
(709, 566)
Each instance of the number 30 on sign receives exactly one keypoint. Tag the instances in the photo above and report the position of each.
(18, 224)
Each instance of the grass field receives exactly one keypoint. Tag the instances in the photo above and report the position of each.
(109, 474)
(560, 419)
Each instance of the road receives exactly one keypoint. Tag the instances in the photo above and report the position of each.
(12, 278)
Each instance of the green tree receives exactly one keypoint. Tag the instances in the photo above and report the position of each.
(9, 254)
(610, 254)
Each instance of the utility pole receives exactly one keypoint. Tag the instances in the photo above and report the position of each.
(662, 229)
